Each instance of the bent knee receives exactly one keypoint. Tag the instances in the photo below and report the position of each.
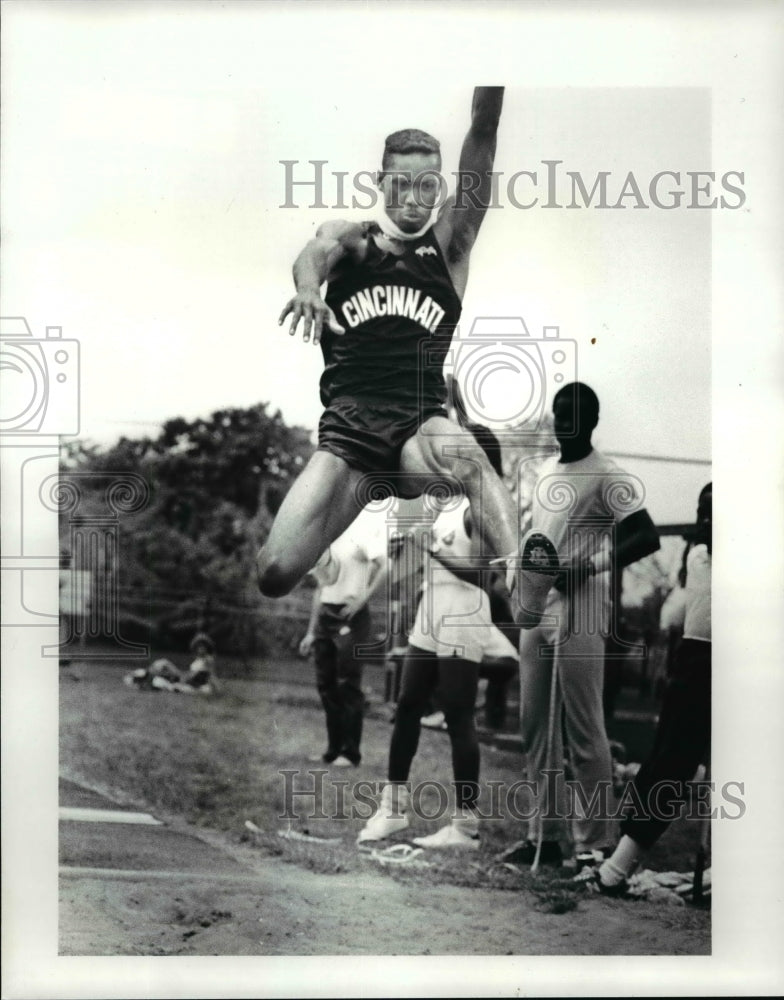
(470, 464)
(434, 454)
(275, 579)
(466, 471)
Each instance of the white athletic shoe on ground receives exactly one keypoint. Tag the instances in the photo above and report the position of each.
(379, 827)
(437, 720)
(453, 836)
(392, 816)
(342, 761)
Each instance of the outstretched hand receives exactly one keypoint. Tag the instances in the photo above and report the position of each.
(314, 313)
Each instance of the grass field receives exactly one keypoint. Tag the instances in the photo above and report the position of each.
(217, 762)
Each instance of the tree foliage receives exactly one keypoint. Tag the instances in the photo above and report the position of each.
(187, 559)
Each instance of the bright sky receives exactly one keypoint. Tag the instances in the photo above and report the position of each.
(143, 185)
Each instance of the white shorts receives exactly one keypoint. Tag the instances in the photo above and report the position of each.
(453, 619)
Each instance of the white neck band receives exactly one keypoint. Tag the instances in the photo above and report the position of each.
(394, 232)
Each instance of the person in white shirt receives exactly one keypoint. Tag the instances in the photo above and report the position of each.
(452, 636)
(683, 733)
(671, 618)
(594, 515)
(347, 575)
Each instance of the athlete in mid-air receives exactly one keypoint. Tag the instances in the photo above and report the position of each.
(385, 325)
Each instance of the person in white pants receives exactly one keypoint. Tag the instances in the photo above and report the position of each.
(593, 512)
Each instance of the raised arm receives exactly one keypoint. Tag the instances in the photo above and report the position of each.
(333, 241)
(462, 216)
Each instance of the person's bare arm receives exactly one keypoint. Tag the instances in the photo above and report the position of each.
(306, 644)
(467, 571)
(461, 217)
(332, 243)
(474, 569)
(376, 573)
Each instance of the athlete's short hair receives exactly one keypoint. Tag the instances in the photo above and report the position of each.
(584, 396)
(409, 140)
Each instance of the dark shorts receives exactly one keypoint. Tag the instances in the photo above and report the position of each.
(369, 434)
(199, 679)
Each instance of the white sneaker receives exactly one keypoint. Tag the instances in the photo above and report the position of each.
(379, 827)
(437, 720)
(454, 835)
(392, 816)
(342, 761)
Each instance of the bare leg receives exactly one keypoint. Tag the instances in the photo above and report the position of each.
(443, 448)
(320, 505)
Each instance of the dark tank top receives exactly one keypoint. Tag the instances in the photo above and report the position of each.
(399, 314)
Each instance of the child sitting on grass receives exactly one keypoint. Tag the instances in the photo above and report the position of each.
(200, 678)
(162, 675)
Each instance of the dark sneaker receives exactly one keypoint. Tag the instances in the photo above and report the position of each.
(538, 570)
(524, 852)
(592, 859)
(592, 881)
(539, 555)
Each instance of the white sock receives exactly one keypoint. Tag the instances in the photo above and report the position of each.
(395, 799)
(624, 860)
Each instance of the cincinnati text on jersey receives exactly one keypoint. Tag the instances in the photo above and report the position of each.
(392, 300)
